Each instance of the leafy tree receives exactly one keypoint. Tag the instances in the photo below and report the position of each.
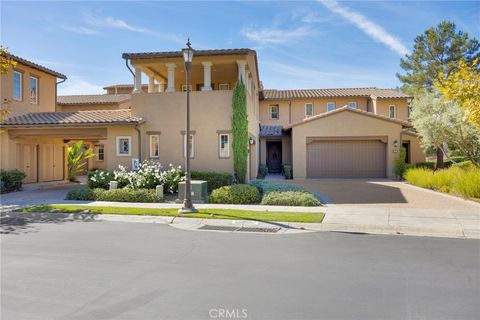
(441, 123)
(76, 156)
(463, 88)
(6, 63)
(239, 131)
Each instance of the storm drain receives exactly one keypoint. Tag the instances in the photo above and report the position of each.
(240, 229)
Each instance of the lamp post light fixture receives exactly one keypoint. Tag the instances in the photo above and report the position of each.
(187, 206)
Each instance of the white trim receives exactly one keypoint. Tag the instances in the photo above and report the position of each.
(158, 146)
(334, 106)
(309, 115)
(394, 111)
(227, 155)
(278, 112)
(118, 138)
(36, 89)
(356, 105)
(192, 154)
(21, 86)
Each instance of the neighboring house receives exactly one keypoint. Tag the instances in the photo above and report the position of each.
(354, 132)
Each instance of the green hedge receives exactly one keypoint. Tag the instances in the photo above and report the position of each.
(115, 195)
(11, 180)
(214, 180)
(235, 194)
(290, 198)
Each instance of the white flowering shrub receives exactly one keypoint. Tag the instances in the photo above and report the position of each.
(99, 178)
(149, 175)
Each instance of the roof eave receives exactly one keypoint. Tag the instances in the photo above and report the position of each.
(64, 125)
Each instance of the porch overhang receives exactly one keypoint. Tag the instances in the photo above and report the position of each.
(62, 133)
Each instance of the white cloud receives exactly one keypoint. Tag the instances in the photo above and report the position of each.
(80, 30)
(111, 22)
(274, 35)
(76, 85)
(373, 30)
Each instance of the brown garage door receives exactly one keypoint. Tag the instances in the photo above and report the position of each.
(346, 159)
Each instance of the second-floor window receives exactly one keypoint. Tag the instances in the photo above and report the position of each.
(17, 85)
(33, 90)
(330, 106)
(274, 112)
(392, 112)
(308, 109)
(352, 105)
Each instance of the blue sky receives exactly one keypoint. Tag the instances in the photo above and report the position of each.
(300, 44)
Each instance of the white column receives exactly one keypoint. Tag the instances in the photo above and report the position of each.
(151, 84)
(207, 76)
(241, 71)
(138, 80)
(171, 77)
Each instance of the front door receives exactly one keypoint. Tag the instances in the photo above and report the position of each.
(274, 156)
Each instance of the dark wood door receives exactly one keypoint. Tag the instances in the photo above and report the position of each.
(274, 157)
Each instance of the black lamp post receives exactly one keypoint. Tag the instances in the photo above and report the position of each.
(187, 201)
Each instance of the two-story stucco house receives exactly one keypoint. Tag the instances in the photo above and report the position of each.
(349, 132)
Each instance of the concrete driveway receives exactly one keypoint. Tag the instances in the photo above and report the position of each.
(382, 193)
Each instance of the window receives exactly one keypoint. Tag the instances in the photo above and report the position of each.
(33, 90)
(330, 106)
(224, 145)
(100, 152)
(124, 146)
(352, 105)
(224, 86)
(392, 112)
(154, 146)
(191, 145)
(17, 85)
(184, 87)
(274, 112)
(308, 109)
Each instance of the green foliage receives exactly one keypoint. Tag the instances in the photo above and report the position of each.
(11, 180)
(99, 178)
(290, 198)
(235, 194)
(84, 194)
(115, 195)
(264, 186)
(464, 182)
(437, 51)
(425, 165)
(400, 164)
(287, 170)
(262, 171)
(76, 159)
(239, 131)
(214, 180)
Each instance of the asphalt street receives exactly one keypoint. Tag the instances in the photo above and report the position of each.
(116, 270)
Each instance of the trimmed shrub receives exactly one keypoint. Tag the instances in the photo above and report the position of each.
(426, 165)
(129, 195)
(239, 131)
(214, 180)
(11, 180)
(262, 171)
(258, 183)
(84, 194)
(280, 187)
(290, 198)
(287, 171)
(235, 194)
(99, 178)
(400, 164)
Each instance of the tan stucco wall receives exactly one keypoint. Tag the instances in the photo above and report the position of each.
(401, 104)
(88, 107)
(343, 124)
(296, 112)
(416, 151)
(46, 91)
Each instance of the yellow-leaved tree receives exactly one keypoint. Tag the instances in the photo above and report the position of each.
(463, 88)
(6, 63)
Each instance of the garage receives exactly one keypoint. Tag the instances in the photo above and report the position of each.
(346, 159)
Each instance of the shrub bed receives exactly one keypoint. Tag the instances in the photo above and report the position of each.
(456, 180)
(266, 187)
(290, 198)
(84, 194)
(235, 194)
(214, 180)
(11, 180)
(116, 195)
(99, 178)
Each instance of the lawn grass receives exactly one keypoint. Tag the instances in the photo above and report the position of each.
(227, 214)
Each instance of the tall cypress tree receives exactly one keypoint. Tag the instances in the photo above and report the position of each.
(239, 131)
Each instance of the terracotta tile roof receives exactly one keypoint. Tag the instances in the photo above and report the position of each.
(37, 66)
(273, 94)
(97, 117)
(271, 130)
(347, 109)
(93, 99)
(178, 54)
(123, 85)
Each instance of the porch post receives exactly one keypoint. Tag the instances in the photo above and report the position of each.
(241, 70)
(171, 77)
(207, 76)
(151, 84)
(161, 85)
(138, 80)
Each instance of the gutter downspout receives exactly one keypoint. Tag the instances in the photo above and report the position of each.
(131, 71)
(139, 142)
(56, 89)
